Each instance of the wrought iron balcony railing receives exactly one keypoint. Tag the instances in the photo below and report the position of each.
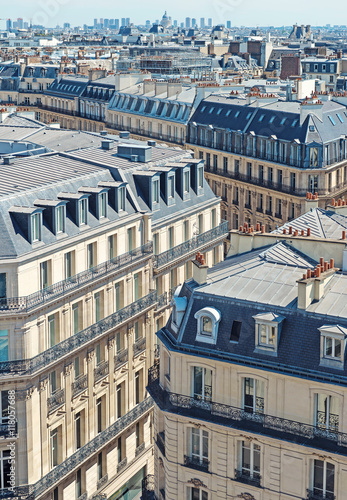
(191, 246)
(239, 418)
(101, 371)
(64, 287)
(315, 495)
(156, 351)
(120, 358)
(196, 463)
(32, 492)
(8, 429)
(30, 366)
(79, 385)
(247, 478)
(122, 464)
(139, 346)
(162, 300)
(101, 482)
(56, 400)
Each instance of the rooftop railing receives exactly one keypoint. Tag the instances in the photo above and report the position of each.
(244, 419)
(191, 246)
(27, 367)
(61, 288)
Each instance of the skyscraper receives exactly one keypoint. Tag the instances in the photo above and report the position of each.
(229, 24)
(194, 22)
(106, 23)
(8, 24)
(210, 22)
(188, 22)
(19, 23)
(116, 24)
(123, 21)
(95, 23)
(127, 21)
(202, 22)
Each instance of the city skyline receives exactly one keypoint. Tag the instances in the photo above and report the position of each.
(238, 11)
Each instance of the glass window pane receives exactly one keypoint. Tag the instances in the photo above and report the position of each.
(3, 345)
(337, 353)
(197, 381)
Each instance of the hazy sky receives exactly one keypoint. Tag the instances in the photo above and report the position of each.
(240, 12)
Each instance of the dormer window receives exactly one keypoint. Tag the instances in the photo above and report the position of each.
(171, 186)
(200, 177)
(121, 198)
(155, 191)
(186, 182)
(208, 320)
(60, 219)
(36, 227)
(179, 306)
(102, 205)
(83, 210)
(333, 343)
(267, 332)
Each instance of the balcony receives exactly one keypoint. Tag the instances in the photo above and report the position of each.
(61, 289)
(79, 385)
(8, 429)
(139, 346)
(122, 464)
(247, 478)
(196, 463)
(139, 449)
(160, 442)
(101, 371)
(162, 301)
(190, 247)
(28, 367)
(120, 359)
(56, 400)
(241, 419)
(101, 482)
(314, 495)
(31, 492)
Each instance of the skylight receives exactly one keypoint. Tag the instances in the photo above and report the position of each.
(237, 114)
(294, 123)
(228, 112)
(283, 121)
(261, 118)
(219, 111)
(272, 119)
(332, 120)
(211, 110)
(248, 116)
(339, 117)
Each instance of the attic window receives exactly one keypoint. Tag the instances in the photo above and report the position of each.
(211, 110)
(208, 320)
(60, 219)
(294, 123)
(102, 205)
(339, 117)
(219, 111)
(311, 128)
(333, 343)
(283, 121)
(272, 119)
(248, 116)
(261, 118)
(83, 207)
(268, 327)
(202, 109)
(332, 120)
(235, 331)
(237, 114)
(228, 112)
(35, 227)
(121, 198)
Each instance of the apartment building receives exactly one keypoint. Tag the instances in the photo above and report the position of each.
(262, 155)
(250, 392)
(78, 309)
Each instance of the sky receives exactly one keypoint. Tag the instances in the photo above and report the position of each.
(240, 12)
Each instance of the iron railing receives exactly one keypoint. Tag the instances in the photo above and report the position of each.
(102, 481)
(61, 288)
(120, 358)
(32, 492)
(79, 385)
(122, 464)
(156, 351)
(247, 478)
(162, 300)
(101, 371)
(139, 346)
(30, 366)
(196, 463)
(56, 400)
(139, 449)
(312, 495)
(190, 246)
(8, 429)
(239, 418)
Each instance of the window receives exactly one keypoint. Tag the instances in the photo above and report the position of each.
(326, 413)
(249, 170)
(83, 207)
(112, 246)
(137, 286)
(78, 483)
(253, 396)
(196, 494)
(323, 480)
(60, 219)
(332, 347)
(44, 274)
(237, 166)
(313, 157)
(35, 227)
(270, 173)
(155, 191)
(102, 205)
(235, 331)
(200, 177)
(69, 264)
(266, 335)
(2, 285)
(98, 306)
(208, 319)
(215, 162)
(202, 384)
(54, 448)
(99, 413)
(138, 387)
(5, 471)
(4, 403)
(250, 459)
(76, 318)
(78, 430)
(171, 186)
(199, 446)
(119, 400)
(3, 345)
(52, 333)
(121, 198)
(90, 255)
(100, 472)
(186, 182)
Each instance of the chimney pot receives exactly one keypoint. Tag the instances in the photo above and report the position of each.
(258, 226)
(308, 231)
(302, 232)
(318, 272)
(263, 228)
(296, 232)
(284, 231)
(331, 263)
(321, 261)
(240, 229)
(333, 202)
(290, 230)
(304, 277)
(343, 235)
(309, 274)
(339, 203)
(326, 266)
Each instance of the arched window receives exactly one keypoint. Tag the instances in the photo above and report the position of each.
(208, 320)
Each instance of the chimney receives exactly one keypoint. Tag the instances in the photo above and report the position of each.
(311, 286)
(199, 269)
(311, 106)
(311, 201)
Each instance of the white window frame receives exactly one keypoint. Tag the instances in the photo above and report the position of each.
(251, 445)
(82, 211)
(323, 491)
(202, 396)
(336, 334)
(60, 219)
(36, 227)
(214, 316)
(202, 436)
(102, 205)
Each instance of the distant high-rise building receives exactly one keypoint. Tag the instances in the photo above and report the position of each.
(229, 24)
(19, 23)
(148, 23)
(106, 23)
(111, 23)
(95, 23)
(188, 22)
(210, 22)
(182, 25)
(26, 26)
(175, 23)
(194, 22)
(116, 24)
(8, 24)
(101, 22)
(202, 22)
(123, 21)
(66, 26)
(127, 21)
